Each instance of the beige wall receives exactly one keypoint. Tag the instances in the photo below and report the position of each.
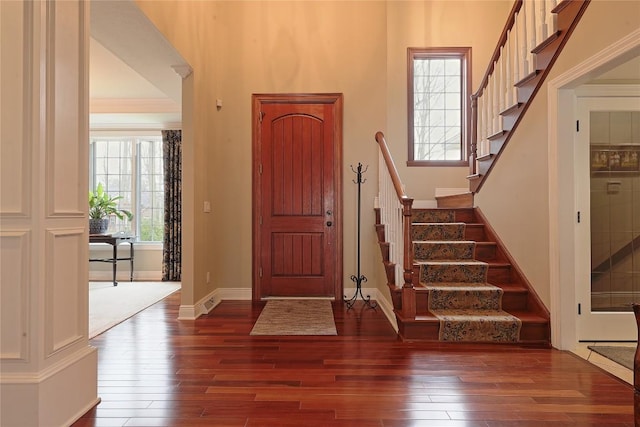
(359, 49)
(355, 48)
(242, 48)
(434, 24)
(517, 204)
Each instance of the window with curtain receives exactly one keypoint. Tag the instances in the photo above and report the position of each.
(131, 167)
(438, 106)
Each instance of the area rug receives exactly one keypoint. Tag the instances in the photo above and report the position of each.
(621, 355)
(110, 305)
(296, 317)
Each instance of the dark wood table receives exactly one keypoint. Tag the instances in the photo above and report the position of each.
(114, 240)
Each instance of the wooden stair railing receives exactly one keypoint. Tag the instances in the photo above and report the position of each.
(533, 37)
(395, 216)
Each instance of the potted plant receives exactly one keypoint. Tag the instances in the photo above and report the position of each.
(101, 205)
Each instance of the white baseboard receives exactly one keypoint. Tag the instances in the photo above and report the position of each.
(387, 309)
(187, 312)
(123, 275)
(22, 391)
(211, 300)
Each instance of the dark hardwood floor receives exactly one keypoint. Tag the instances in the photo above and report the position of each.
(157, 371)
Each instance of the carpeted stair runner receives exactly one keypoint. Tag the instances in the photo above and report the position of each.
(469, 309)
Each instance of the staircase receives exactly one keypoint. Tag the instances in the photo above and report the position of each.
(534, 35)
(462, 277)
(466, 286)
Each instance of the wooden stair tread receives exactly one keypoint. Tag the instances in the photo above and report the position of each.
(511, 287)
(513, 109)
(497, 135)
(549, 40)
(528, 317)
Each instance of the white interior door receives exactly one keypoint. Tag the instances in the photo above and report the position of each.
(607, 148)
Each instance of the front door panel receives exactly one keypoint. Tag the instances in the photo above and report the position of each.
(296, 200)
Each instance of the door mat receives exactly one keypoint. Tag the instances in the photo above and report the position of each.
(296, 317)
(621, 355)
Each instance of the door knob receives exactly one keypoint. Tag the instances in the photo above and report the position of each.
(329, 223)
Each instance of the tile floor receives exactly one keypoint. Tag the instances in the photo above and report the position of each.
(608, 365)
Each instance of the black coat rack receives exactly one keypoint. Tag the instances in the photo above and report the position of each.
(359, 278)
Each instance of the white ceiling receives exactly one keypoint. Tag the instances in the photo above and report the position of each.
(133, 84)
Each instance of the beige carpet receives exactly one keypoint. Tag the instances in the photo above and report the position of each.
(621, 355)
(110, 305)
(296, 317)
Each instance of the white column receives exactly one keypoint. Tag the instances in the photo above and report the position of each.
(48, 373)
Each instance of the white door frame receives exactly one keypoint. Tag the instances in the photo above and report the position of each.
(561, 118)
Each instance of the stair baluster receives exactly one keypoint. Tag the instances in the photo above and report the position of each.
(535, 32)
(395, 207)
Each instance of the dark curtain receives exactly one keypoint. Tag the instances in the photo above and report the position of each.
(172, 251)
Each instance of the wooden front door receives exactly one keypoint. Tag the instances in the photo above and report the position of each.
(297, 244)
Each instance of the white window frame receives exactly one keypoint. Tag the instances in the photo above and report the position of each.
(136, 137)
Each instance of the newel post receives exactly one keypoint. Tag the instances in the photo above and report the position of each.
(408, 291)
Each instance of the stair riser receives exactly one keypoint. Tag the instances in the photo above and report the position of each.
(380, 232)
(433, 215)
(531, 333)
(424, 232)
(478, 300)
(498, 275)
(535, 332)
(485, 253)
(476, 233)
(423, 251)
(514, 301)
(511, 301)
(453, 274)
(526, 90)
(390, 272)
(384, 251)
(465, 215)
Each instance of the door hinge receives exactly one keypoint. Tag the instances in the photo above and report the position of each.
(579, 309)
(261, 116)
(260, 272)
(260, 168)
(578, 217)
(577, 125)
(260, 219)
